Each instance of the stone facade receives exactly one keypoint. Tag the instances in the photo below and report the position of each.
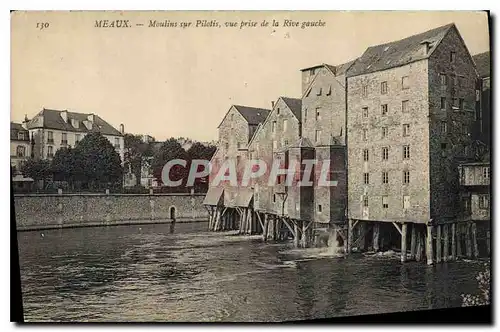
(78, 210)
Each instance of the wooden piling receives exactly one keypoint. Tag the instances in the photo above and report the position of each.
(453, 241)
(429, 251)
(413, 242)
(376, 235)
(362, 239)
(488, 242)
(264, 230)
(418, 254)
(349, 236)
(474, 240)
(468, 243)
(296, 231)
(439, 244)
(459, 239)
(446, 243)
(403, 242)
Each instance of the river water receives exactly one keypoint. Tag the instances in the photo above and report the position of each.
(145, 273)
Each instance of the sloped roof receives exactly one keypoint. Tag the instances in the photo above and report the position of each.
(243, 197)
(295, 105)
(397, 53)
(52, 120)
(213, 196)
(482, 61)
(15, 128)
(252, 115)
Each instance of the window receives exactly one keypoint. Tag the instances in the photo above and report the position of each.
(365, 91)
(318, 115)
(484, 201)
(305, 115)
(285, 124)
(64, 138)
(117, 143)
(406, 129)
(77, 138)
(443, 146)
(319, 208)
(278, 111)
(443, 80)
(385, 202)
(443, 103)
(452, 57)
(365, 154)
(366, 177)
(444, 127)
(385, 130)
(21, 151)
(365, 134)
(404, 106)
(455, 103)
(318, 135)
(405, 84)
(329, 92)
(384, 109)
(275, 145)
(227, 146)
(461, 103)
(286, 142)
(20, 136)
(406, 176)
(50, 137)
(383, 88)
(365, 112)
(486, 172)
(385, 153)
(406, 152)
(50, 151)
(319, 92)
(274, 198)
(406, 202)
(385, 177)
(274, 127)
(365, 201)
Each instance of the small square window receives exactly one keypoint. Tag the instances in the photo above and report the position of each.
(365, 201)
(385, 177)
(443, 79)
(365, 91)
(274, 198)
(405, 83)
(405, 106)
(406, 202)
(406, 152)
(384, 109)
(365, 134)
(486, 172)
(329, 91)
(406, 177)
(278, 111)
(385, 131)
(385, 153)
(385, 202)
(320, 208)
(452, 57)
(461, 103)
(365, 154)
(366, 178)
(365, 112)
(444, 127)
(443, 146)
(406, 129)
(443, 103)
(383, 88)
(319, 92)
(484, 201)
(318, 114)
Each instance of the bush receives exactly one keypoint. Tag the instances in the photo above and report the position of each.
(483, 298)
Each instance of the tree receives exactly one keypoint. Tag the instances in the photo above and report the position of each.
(170, 150)
(36, 169)
(201, 152)
(135, 151)
(483, 298)
(99, 161)
(67, 166)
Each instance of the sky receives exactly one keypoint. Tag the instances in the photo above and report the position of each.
(180, 81)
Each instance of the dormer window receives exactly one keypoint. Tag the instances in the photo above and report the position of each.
(75, 123)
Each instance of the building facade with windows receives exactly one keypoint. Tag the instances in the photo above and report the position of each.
(20, 146)
(409, 118)
(54, 129)
(475, 180)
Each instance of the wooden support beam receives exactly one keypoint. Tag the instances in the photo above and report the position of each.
(350, 236)
(362, 239)
(418, 254)
(459, 239)
(439, 245)
(413, 242)
(474, 240)
(403, 242)
(453, 241)
(260, 220)
(488, 242)
(304, 235)
(264, 228)
(289, 226)
(446, 243)
(397, 227)
(376, 235)
(429, 252)
(468, 242)
(296, 234)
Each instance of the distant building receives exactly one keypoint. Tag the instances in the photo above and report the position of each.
(54, 129)
(20, 145)
(475, 200)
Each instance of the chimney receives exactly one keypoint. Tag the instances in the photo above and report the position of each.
(122, 128)
(272, 104)
(24, 124)
(90, 117)
(64, 115)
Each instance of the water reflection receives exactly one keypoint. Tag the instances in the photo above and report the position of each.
(153, 273)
